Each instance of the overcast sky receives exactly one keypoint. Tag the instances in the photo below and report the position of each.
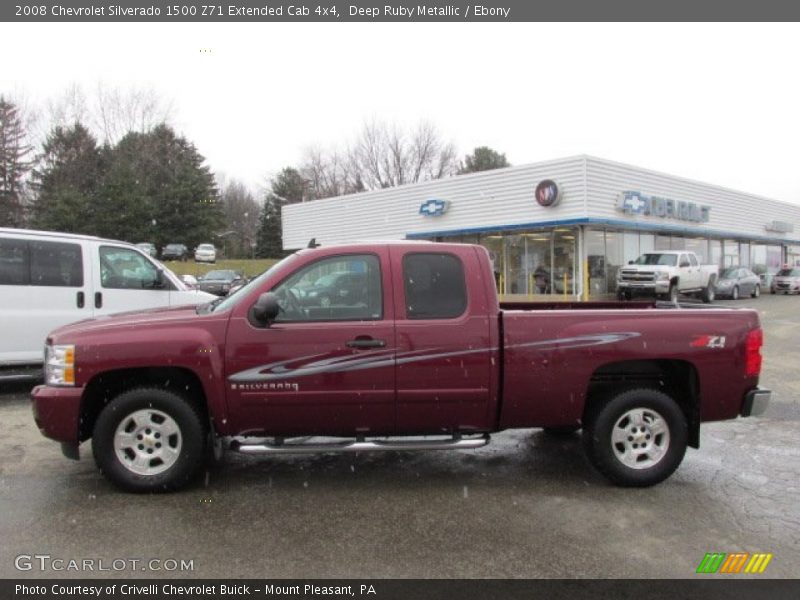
(718, 103)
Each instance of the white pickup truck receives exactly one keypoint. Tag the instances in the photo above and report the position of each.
(666, 274)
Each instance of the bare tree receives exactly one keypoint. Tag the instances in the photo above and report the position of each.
(118, 111)
(14, 165)
(381, 156)
(241, 216)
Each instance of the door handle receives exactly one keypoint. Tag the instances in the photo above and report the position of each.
(81, 299)
(365, 343)
(98, 299)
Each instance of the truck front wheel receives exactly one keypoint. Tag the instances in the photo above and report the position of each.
(637, 439)
(149, 440)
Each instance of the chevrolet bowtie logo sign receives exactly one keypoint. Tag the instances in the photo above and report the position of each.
(433, 207)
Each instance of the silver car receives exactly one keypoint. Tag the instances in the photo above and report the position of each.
(737, 282)
(786, 281)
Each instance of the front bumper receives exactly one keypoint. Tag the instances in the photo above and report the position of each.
(756, 402)
(56, 411)
(644, 287)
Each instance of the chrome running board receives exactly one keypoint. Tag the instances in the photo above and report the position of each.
(454, 443)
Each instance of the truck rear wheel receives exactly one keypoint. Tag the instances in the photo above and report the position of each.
(637, 439)
(149, 440)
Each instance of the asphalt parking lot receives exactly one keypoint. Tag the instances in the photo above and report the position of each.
(524, 506)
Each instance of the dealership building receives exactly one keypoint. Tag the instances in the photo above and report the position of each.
(563, 227)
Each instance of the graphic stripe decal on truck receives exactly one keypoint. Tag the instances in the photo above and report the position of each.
(387, 357)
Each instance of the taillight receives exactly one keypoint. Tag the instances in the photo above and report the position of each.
(752, 353)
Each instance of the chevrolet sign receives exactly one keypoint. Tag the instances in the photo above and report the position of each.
(433, 207)
(637, 203)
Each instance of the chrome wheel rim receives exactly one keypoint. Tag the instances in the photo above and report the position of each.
(148, 442)
(735, 294)
(673, 294)
(757, 292)
(640, 438)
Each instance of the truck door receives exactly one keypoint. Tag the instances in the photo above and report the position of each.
(326, 365)
(443, 341)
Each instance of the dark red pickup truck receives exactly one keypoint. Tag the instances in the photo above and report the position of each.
(393, 346)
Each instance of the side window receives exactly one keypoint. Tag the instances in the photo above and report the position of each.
(122, 268)
(14, 262)
(340, 288)
(56, 264)
(435, 287)
(693, 260)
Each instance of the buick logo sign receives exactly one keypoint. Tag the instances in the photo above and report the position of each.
(433, 207)
(547, 193)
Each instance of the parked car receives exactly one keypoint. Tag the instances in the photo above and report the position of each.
(49, 279)
(219, 282)
(175, 252)
(148, 248)
(736, 282)
(786, 281)
(205, 253)
(430, 351)
(667, 274)
(236, 286)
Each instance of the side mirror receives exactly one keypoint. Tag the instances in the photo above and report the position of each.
(159, 282)
(265, 310)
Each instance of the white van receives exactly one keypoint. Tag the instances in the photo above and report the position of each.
(49, 279)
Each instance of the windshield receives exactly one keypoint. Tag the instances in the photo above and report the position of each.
(231, 301)
(205, 247)
(667, 260)
(173, 247)
(789, 273)
(220, 275)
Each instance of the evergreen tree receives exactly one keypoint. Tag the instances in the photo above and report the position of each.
(287, 187)
(66, 181)
(483, 158)
(157, 189)
(13, 166)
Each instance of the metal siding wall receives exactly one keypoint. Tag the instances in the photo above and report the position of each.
(731, 211)
(493, 198)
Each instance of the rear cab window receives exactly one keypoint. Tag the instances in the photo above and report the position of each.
(435, 285)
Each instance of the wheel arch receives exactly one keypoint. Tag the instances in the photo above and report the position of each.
(104, 387)
(676, 378)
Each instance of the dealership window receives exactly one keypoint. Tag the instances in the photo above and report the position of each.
(744, 254)
(614, 252)
(494, 244)
(700, 247)
(715, 252)
(647, 243)
(730, 253)
(595, 242)
(663, 242)
(630, 246)
(564, 264)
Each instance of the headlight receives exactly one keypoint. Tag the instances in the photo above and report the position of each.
(725, 283)
(59, 365)
(662, 276)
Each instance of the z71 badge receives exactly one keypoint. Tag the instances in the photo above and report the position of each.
(709, 341)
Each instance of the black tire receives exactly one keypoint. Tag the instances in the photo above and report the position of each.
(756, 291)
(560, 432)
(709, 294)
(189, 441)
(605, 454)
(672, 295)
(735, 293)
